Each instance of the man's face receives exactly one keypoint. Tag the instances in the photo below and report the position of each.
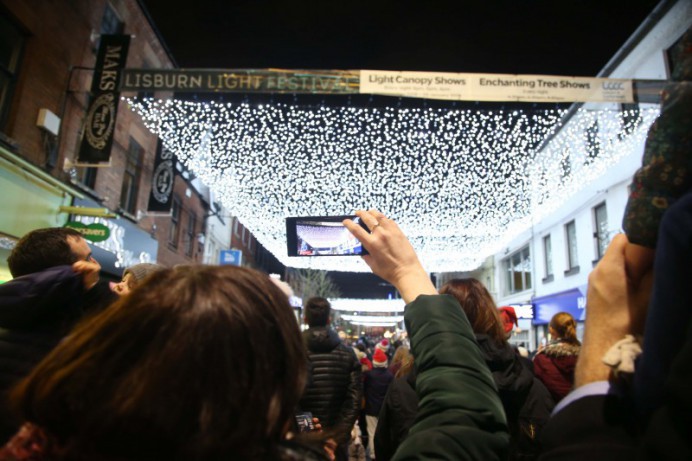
(80, 248)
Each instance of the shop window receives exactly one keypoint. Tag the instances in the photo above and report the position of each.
(600, 231)
(571, 241)
(548, 258)
(131, 177)
(517, 268)
(174, 228)
(190, 236)
(11, 48)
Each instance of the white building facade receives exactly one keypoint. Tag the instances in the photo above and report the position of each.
(548, 265)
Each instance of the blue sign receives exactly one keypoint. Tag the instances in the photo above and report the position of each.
(570, 301)
(230, 257)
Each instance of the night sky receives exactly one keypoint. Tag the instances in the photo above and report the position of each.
(550, 37)
(565, 37)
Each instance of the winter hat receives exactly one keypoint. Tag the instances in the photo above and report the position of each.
(141, 271)
(379, 359)
(508, 317)
(383, 345)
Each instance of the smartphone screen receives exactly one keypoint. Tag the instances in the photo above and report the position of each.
(304, 422)
(322, 236)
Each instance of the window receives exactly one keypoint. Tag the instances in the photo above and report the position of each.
(571, 238)
(11, 47)
(600, 231)
(190, 237)
(110, 25)
(175, 222)
(548, 258)
(131, 176)
(235, 227)
(517, 268)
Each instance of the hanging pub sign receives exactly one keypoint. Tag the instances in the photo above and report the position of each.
(161, 194)
(99, 126)
(95, 232)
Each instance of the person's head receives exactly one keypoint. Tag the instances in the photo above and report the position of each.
(400, 354)
(317, 312)
(478, 305)
(42, 249)
(379, 359)
(133, 276)
(383, 345)
(201, 362)
(563, 326)
(508, 317)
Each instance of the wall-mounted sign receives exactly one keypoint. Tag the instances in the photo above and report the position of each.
(230, 257)
(94, 232)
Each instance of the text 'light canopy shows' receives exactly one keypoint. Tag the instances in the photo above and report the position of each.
(460, 183)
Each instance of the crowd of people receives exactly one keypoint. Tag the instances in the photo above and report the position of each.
(208, 363)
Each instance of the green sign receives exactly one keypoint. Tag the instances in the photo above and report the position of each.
(95, 232)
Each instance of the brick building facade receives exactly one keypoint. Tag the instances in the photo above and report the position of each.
(51, 51)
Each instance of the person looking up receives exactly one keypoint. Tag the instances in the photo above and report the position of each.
(133, 275)
(56, 280)
(201, 362)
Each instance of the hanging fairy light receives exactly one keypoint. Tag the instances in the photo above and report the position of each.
(460, 183)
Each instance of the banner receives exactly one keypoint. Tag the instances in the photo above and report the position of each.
(161, 194)
(496, 87)
(99, 126)
(241, 81)
(428, 85)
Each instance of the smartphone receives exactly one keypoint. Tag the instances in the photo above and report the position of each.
(322, 236)
(304, 422)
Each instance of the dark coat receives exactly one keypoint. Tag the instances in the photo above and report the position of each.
(460, 414)
(526, 401)
(375, 385)
(396, 416)
(36, 312)
(554, 366)
(335, 386)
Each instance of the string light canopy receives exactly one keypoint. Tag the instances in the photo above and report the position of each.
(460, 183)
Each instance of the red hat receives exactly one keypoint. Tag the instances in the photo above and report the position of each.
(383, 345)
(508, 317)
(379, 359)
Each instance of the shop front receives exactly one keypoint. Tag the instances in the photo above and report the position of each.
(31, 199)
(571, 301)
(126, 245)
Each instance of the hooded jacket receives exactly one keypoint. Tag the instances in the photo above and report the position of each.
(526, 401)
(554, 366)
(36, 311)
(335, 387)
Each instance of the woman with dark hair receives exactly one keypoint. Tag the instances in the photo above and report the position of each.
(198, 363)
(555, 363)
(526, 401)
